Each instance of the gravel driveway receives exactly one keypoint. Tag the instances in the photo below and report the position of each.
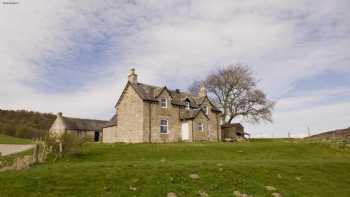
(8, 149)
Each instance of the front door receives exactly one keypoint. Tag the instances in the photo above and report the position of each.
(185, 131)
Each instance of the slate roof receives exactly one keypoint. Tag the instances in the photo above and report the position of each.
(83, 124)
(191, 114)
(112, 121)
(235, 125)
(146, 92)
(151, 93)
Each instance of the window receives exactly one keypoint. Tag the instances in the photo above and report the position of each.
(206, 110)
(200, 126)
(164, 126)
(187, 104)
(163, 103)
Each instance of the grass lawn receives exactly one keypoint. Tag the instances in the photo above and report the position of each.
(5, 139)
(293, 168)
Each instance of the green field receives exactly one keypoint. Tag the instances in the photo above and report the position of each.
(5, 139)
(294, 168)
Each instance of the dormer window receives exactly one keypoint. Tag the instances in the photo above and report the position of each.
(206, 110)
(187, 103)
(163, 103)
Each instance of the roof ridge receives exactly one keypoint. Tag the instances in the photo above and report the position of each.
(171, 90)
(83, 118)
(154, 86)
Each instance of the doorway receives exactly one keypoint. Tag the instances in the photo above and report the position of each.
(185, 131)
(97, 136)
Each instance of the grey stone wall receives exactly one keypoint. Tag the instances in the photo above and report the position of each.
(171, 113)
(214, 123)
(130, 118)
(197, 134)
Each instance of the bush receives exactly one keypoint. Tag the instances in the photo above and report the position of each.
(65, 144)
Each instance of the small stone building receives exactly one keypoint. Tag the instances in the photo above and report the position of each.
(232, 131)
(147, 113)
(91, 129)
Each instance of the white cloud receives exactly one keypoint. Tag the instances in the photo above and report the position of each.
(295, 115)
(172, 43)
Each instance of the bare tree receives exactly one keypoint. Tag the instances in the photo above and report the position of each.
(235, 92)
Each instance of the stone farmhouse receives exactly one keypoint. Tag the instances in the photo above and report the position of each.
(147, 113)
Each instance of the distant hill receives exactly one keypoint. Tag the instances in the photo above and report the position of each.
(25, 124)
(340, 133)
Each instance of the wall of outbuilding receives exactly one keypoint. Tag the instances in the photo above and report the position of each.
(109, 134)
(89, 135)
(231, 132)
(58, 127)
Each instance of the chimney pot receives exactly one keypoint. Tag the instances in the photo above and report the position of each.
(132, 76)
(132, 71)
(203, 90)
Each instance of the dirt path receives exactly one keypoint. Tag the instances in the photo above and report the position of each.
(8, 149)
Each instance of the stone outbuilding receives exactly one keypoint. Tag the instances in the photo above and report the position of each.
(89, 128)
(232, 131)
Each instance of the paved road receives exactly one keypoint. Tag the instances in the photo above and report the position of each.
(8, 149)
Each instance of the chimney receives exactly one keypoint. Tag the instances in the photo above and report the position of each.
(132, 77)
(59, 115)
(202, 90)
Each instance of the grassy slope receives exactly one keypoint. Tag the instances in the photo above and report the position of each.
(5, 139)
(156, 169)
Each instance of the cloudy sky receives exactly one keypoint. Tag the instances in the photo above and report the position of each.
(73, 56)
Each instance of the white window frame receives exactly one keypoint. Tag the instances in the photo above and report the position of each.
(162, 102)
(187, 103)
(164, 125)
(201, 125)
